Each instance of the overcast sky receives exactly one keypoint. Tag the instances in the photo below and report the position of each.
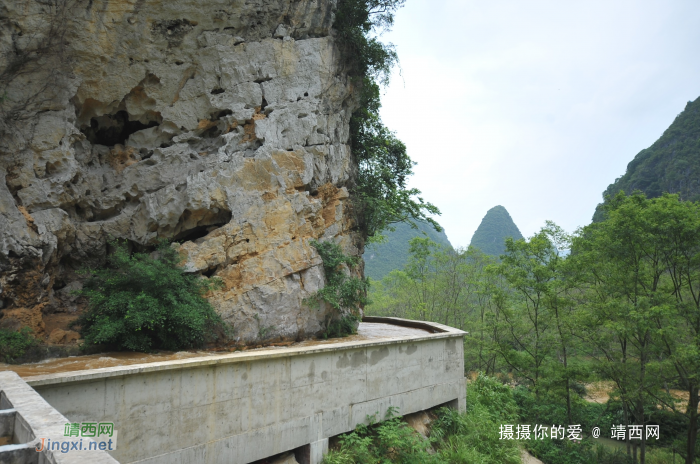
(535, 105)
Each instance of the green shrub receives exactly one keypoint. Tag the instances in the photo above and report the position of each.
(386, 442)
(346, 325)
(341, 291)
(457, 438)
(14, 343)
(144, 303)
(474, 436)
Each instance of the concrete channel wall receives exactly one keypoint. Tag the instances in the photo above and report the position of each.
(26, 418)
(245, 406)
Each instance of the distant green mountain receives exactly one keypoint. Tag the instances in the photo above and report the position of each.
(671, 164)
(381, 259)
(491, 234)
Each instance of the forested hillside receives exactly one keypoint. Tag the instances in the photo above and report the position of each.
(491, 234)
(382, 258)
(620, 311)
(671, 164)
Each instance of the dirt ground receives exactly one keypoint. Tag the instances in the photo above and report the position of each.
(527, 458)
(599, 392)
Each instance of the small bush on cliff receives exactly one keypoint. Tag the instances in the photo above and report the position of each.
(142, 303)
(14, 343)
(342, 292)
(380, 193)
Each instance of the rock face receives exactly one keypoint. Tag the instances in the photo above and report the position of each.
(223, 125)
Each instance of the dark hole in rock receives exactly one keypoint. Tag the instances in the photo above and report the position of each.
(192, 234)
(262, 79)
(165, 145)
(222, 113)
(211, 132)
(217, 91)
(145, 153)
(210, 272)
(87, 193)
(111, 129)
(81, 213)
(178, 63)
(306, 94)
(59, 283)
(12, 254)
(263, 105)
(196, 224)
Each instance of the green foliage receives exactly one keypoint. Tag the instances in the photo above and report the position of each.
(144, 303)
(456, 437)
(387, 442)
(623, 306)
(491, 234)
(393, 253)
(346, 325)
(474, 436)
(342, 291)
(14, 343)
(380, 193)
(669, 165)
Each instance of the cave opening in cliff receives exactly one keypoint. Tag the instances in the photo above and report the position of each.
(194, 225)
(113, 129)
(196, 233)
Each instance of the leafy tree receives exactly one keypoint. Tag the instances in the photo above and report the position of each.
(144, 303)
(531, 269)
(380, 193)
(676, 224)
(622, 264)
(392, 252)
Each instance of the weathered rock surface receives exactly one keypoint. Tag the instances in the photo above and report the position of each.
(222, 125)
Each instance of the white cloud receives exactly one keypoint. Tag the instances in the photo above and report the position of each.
(535, 105)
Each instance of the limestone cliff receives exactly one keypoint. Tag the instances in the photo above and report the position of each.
(222, 125)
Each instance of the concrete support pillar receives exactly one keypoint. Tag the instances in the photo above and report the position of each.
(312, 453)
(318, 450)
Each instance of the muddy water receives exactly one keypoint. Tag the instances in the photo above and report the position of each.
(96, 361)
(366, 331)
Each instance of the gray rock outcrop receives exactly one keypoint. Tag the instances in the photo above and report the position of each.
(222, 125)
